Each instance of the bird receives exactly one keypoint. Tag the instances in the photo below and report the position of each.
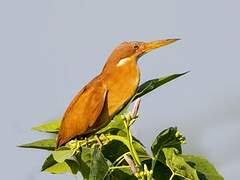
(105, 95)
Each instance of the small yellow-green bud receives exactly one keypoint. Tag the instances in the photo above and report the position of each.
(151, 172)
(183, 142)
(178, 134)
(73, 144)
(137, 174)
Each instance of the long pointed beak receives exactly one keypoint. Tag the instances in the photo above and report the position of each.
(156, 44)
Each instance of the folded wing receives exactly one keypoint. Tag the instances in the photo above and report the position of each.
(83, 112)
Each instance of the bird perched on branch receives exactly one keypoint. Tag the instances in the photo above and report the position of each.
(105, 95)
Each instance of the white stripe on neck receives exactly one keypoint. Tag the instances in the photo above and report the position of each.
(123, 61)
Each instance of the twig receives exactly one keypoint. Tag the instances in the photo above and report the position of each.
(130, 163)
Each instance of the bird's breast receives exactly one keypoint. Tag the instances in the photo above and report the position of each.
(122, 83)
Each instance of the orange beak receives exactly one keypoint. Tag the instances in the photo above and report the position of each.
(147, 47)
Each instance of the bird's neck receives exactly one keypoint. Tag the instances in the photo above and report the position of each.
(116, 64)
(121, 81)
(125, 71)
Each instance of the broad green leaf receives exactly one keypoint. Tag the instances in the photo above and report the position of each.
(205, 170)
(177, 164)
(167, 138)
(122, 139)
(139, 148)
(99, 166)
(49, 127)
(62, 155)
(161, 171)
(155, 83)
(68, 166)
(84, 158)
(114, 149)
(51, 166)
(115, 124)
(48, 162)
(92, 163)
(120, 148)
(123, 174)
(47, 144)
(170, 137)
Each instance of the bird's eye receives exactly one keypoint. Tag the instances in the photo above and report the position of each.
(136, 47)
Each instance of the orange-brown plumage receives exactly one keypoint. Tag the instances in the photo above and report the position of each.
(95, 105)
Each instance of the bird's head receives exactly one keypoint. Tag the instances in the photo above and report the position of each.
(133, 50)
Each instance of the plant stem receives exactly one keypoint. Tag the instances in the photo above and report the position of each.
(119, 167)
(171, 176)
(120, 159)
(131, 148)
(154, 160)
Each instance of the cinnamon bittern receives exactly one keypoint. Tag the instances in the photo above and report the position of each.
(104, 96)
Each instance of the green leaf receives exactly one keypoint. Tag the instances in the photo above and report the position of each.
(92, 163)
(49, 127)
(99, 166)
(47, 144)
(51, 166)
(205, 170)
(177, 164)
(118, 147)
(161, 171)
(123, 174)
(167, 138)
(62, 155)
(155, 83)
(115, 124)
(139, 148)
(84, 158)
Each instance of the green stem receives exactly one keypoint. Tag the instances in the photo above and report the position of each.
(131, 148)
(119, 138)
(120, 159)
(119, 167)
(149, 177)
(171, 176)
(154, 160)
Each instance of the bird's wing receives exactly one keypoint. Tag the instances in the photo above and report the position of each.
(83, 112)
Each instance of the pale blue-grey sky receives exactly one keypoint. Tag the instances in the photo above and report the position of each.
(51, 48)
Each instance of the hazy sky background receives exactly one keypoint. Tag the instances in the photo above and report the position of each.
(50, 48)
